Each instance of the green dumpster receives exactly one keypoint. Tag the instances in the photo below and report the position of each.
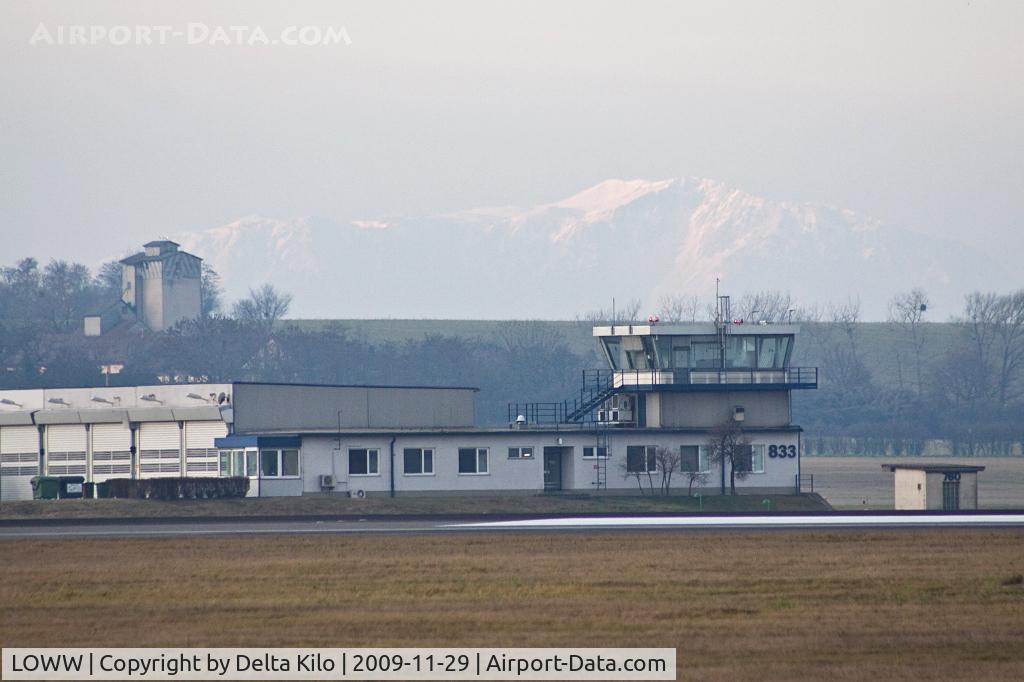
(89, 490)
(103, 489)
(71, 487)
(45, 487)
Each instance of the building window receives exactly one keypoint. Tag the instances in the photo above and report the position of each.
(289, 462)
(268, 463)
(364, 462)
(595, 453)
(693, 458)
(640, 459)
(238, 463)
(520, 453)
(750, 458)
(472, 460)
(419, 461)
(279, 463)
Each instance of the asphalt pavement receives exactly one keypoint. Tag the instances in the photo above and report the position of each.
(53, 528)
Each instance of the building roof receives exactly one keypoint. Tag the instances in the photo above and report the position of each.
(161, 242)
(549, 430)
(936, 468)
(311, 385)
(141, 256)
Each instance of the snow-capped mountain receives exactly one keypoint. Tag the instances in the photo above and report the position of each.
(623, 238)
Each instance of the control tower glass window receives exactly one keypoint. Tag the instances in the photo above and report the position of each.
(740, 351)
(706, 355)
(681, 352)
(772, 352)
(613, 347)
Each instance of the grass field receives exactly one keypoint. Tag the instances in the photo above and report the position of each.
(861, 483)
(924, 604)
(466, 504)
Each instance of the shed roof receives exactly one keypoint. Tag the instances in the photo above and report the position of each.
(936, 468)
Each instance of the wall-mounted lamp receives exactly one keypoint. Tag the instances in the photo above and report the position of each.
(196, 396)
(8, 401)
(151, 398)
(97, 399)
(58, 401)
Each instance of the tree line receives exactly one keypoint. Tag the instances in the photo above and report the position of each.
(885, 388)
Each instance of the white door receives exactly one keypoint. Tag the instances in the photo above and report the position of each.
(201, 457)
(159, 449)
(66, 446)
(111, 451)
(19, 461)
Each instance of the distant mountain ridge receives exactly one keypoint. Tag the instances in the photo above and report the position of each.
(623, 238)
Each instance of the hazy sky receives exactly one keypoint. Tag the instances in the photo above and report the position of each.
(908, 111)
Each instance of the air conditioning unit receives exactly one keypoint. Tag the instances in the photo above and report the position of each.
(357, 494)
(326, 481)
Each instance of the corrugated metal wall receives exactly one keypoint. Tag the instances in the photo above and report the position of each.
(201, 457)
(111, 451)
(159, 449)
(66, 446)
(19, 461)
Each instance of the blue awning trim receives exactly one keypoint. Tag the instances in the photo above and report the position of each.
(232, 442)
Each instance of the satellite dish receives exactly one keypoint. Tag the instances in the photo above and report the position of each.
(221, 398)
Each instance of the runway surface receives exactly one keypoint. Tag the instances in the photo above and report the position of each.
(201, 527)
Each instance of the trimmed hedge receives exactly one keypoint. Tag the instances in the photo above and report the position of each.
(178, 488)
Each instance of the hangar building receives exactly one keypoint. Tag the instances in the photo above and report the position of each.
(665, 386)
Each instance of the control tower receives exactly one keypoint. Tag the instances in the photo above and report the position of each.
(683, 381)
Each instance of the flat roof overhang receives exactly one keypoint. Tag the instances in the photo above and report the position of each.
(256, 441)
(560, 430)
(695, 329)
(937, 468)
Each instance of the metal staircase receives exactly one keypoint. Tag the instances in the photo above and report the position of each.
(598, 386)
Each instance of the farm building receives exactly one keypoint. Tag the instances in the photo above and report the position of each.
(665, 388)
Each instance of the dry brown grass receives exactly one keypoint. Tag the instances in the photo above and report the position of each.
(922, 604)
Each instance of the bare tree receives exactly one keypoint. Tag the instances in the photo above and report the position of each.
(769, 305)
(517, 336)
(679, 308)
(108, 278)
(210, 291)
(637, 475)
(728, 445)
(1010, 345)
(668, 462)
(906, 313)
(695, 478)
(264, 306)
(993, 325)
(622, 314)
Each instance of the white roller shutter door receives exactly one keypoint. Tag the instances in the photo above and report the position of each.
(111, 451)
(19, 461)
(65, 449)
(200, 452)
(159, 449)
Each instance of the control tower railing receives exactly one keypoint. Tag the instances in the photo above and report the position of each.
(600, 384)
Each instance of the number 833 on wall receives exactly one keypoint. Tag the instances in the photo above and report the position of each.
(782, 451)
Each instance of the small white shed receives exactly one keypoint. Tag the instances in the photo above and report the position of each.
(947, 487)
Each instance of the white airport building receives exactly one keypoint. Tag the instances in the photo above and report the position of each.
(665, 386)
